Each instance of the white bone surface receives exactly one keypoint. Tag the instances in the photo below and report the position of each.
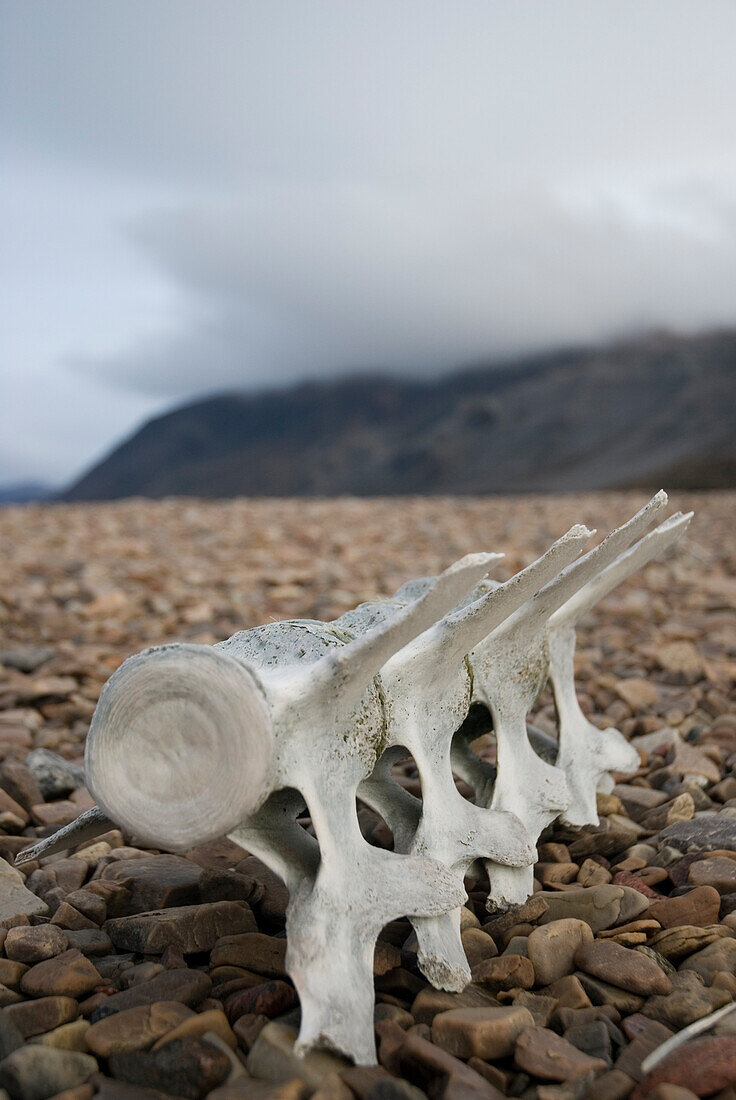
(191, 742)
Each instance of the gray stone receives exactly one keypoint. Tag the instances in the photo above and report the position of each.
(33, 944)
(600, 907)
(15, 897)
(189, 987)
(11, 1037)
(36, 1072)
(706, 832)
(707, 962)
(272, 1058)
(26, 658)
(55, 776)
(190, 928)
(188, 1067)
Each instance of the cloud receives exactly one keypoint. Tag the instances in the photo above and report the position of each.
(323, 280)
(205, 196)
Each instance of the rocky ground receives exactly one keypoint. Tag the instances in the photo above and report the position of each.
(131, 973)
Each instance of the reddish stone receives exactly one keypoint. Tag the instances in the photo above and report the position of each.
(704, 1066)
(628, 878)
(269, 999)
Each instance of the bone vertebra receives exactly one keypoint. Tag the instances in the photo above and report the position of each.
(191, 742)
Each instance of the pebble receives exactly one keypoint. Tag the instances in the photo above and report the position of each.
(190, 928)
(621, 967)
(604, 993)
(597, 906)
(15, 898)
(11, 1037)
(135, 1028)
(272, 1058)
(678, 943)
(552, 948)
(253, 951)
(153, 882)
(698, 907)
(71, 1036)
(480, 1032)
(478, 945)
(703, 1066)
(705, 832)
(712, 959)
(44, 1014)
(188, 987)
(544, 1054)
(267, 999)
(69, 974)
(690, 1000)
(55, 776)
(506, 972)
(718, 872)
(187, 1067)
(36, 1072)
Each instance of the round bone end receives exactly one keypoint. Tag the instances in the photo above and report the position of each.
(180, 747)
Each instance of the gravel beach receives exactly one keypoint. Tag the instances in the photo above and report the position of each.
(131, 973)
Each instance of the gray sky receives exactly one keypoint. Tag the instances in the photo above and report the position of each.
(201, 195)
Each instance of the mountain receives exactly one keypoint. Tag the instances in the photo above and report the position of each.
(657, 409)
(24, 492)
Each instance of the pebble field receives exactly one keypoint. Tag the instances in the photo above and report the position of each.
(126, 972)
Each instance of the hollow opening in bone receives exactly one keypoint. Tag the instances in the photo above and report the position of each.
(373, 826)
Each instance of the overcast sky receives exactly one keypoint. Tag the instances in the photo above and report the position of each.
(202, 195)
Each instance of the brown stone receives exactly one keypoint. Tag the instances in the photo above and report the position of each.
(699, 907)
(530, 911)
(268, 999)
(569, 993)
(614, 1085)
(621, 967)
(429, 1002)
(191, 928)
(184, 1067)
(506, 972)
(703, 1066)
(385, 957)
(188, 987)
(544, 1054)
(11, 973)
(247, 1029)
(678, 943)
(689, 1001)
(198, 1024)
(592, 873)
(70, 974)
(154, 882)
(33, 944)
(603, 993)
(44, 1014)
(135, 1028)
(552, 948)
(66, 916)
(480, 1032)
(718, 872)
(430, 1061)
(707, 962)
(599, 906)
(478, 946)
(254, 951)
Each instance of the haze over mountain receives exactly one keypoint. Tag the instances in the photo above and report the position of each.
(658, 409)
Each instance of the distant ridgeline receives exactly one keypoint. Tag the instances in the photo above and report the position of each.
(650, 411)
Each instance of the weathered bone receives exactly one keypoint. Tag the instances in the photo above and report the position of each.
(191, 742)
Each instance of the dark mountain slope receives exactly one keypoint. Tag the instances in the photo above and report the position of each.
(661, 408)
